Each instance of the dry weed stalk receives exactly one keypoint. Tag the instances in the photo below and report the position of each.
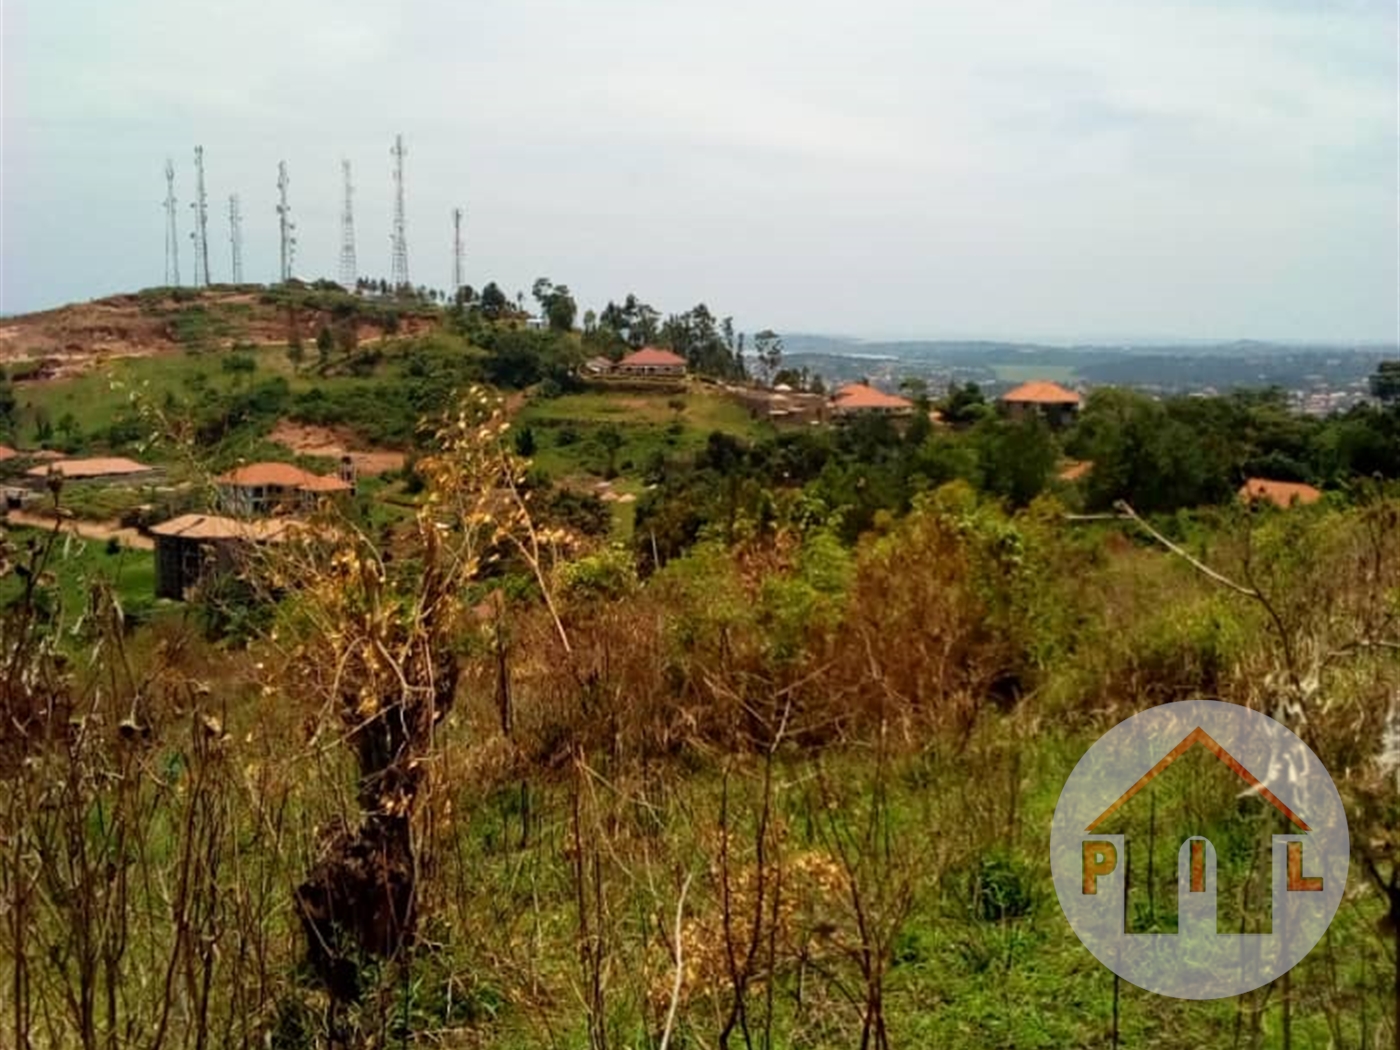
(372, 640)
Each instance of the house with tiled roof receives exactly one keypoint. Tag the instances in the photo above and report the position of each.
(264, 488)
(857, 399)
(1279, 493)
(1054, 403)
(193, 546)
(84, 469)
(651, 361)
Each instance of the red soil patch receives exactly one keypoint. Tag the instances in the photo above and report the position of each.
(323, 441)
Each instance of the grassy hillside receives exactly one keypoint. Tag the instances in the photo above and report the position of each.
(455, 768)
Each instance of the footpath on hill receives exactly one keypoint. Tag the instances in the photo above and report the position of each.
(89, 530)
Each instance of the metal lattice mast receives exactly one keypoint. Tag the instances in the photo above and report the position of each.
(172, 236)
(235, 237)
(200, 233)
(284, 222)
(399, 267)
(349, 272)
(456, 252)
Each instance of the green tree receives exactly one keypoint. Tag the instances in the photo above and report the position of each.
(1385, 383)
(916, 388)
(1145, 455)
(494, 302)
(964, 404)
(610, 439)
(9, 404)
(1015, 457)
(325, 343)
(768, 346)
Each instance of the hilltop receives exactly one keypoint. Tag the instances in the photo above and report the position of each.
(70, 340)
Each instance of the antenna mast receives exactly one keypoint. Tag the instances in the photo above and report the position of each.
(348, 270)
(399, 269)
(172, 237)
(456, 252)
(284, 222)
(235, 236)
(200, 233)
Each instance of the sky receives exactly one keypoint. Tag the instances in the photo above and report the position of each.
(1050, 169)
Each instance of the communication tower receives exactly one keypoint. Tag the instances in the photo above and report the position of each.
(399, 267)
(235, 237)
(200, 233)
(456, 252)
(286, 227)
(172, 236)
(349, 272)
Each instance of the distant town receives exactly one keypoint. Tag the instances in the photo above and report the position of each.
(1319, 379)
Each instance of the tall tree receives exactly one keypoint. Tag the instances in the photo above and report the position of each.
(494, 303)
(768, 345)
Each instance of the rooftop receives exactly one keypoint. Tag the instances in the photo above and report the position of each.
(1279, 493)
(654, 357)
(281, 475)
(1041, 392)
(90, 468)
(284, 476)
(1075, 470)
(213, 527)
(861, 395)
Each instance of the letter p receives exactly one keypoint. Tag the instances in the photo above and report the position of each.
(1100, 858)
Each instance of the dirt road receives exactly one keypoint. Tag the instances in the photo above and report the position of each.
(89, 530)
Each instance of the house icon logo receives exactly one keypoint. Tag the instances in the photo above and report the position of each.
(1195, 782)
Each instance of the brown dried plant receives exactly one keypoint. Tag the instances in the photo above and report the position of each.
(370, 637)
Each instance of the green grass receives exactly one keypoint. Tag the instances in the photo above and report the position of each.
(78, 563)
(960, 977)
(568, 446)
(647, 423)
(108, 392)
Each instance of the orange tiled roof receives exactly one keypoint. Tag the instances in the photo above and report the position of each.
(652, 356)
(861, 395)
(1042, 392)
(90, 468)
(281, 475)
(1075, 471)
(213, 527)
(1279, 493)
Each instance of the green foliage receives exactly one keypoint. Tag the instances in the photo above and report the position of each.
(794, 607)
(556, 304)
(964, 404)
(1385, 384)
(519, 357)
(608, 575)
(1015, 457)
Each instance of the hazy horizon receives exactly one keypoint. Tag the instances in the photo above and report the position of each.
(1178, 169)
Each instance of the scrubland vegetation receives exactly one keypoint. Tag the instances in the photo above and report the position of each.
(774, 769)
